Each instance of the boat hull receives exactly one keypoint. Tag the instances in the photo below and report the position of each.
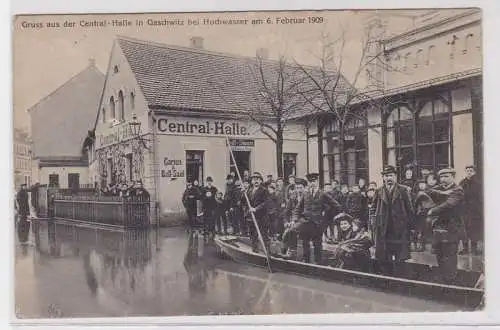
(465, 297)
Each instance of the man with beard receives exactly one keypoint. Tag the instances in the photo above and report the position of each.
(189, 199)
(473, 207)
(310, 212)
(209, 206)
(448, 197)
(394, 217)
(258, 197)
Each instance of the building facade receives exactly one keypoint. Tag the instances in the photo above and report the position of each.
(22, 158)
(59, 124)
(191, 105)
(432, 113)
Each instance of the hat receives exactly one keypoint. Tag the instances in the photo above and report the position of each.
(229, 177)
(388, 169)
(447, 170)
(312, 176)
(257, 175)
(209, 179)
(470, 166)
(343, 216)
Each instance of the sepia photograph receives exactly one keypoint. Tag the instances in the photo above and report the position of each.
(248, 163)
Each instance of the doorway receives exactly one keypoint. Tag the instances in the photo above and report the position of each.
(242, 160)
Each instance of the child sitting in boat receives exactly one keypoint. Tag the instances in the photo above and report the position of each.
(352, 249)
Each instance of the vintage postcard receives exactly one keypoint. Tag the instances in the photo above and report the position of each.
(242, 163)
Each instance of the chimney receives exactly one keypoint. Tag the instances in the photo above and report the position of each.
(197, 42)
(91, 62)
(262, 53)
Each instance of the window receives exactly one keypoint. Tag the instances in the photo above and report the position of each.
(431, 55)
(355, 152)
(289, 164)
(121, 106)
(130, 167)
(132, 100)
(103, 115)
(423, 137)
(194, 165)
(406, 61)
(53, 180)
(111, 171)
(73, 181)
(467, 43)
(112, 106)
(419, 58)
(115, 69)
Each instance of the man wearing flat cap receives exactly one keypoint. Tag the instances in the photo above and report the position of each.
(448, 197)
(473, 209)
(394, 217)
(258, 197)
(310, 212)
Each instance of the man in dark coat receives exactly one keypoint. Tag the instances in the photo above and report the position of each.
(473, 209)
(23, 205)
(258, 197)
(34, 198)
(394, 217)
(227, 215)
(448, 197)
(310, 213)
(209, 206)
(189, 198)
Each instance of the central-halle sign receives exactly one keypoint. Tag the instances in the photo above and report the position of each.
(217, 127)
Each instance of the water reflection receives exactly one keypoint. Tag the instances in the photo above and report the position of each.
(150, 273)
(23, 232)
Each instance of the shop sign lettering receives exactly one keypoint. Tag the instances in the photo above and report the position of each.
(173, 168)
(119, 134)
(218, 127)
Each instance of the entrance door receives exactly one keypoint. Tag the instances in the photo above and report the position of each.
(194, 165)
(242, 159)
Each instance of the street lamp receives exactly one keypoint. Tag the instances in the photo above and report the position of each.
(135, 126)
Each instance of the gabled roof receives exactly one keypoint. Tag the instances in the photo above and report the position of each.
(60, 121)
(173, 77)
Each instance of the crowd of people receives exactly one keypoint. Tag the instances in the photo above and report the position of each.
(123, 189)
(429, 209)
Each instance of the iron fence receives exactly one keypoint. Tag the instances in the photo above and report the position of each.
(126, 212)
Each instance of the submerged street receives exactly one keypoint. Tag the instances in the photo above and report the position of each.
(68, 271)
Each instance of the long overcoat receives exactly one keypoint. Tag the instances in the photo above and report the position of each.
(403, 215)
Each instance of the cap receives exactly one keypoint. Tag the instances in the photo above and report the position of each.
(312, 176)
(343, 216)
(209, 179)
(257, 175)
(301, 181)
(447, 170)
(470, 166)
(388, 169)
(229, 177)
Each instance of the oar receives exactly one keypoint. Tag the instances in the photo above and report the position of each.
(250, 207)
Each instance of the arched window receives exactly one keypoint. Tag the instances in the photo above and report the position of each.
(132, 100)
(112, 107)
(103, 111)
(431, 55)
(355, 151)
(406, 61)
(421, 136)
(467, 43)
(121, 107)
(419, 58)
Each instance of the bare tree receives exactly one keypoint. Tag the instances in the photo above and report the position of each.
(274, 85)
(333, 96)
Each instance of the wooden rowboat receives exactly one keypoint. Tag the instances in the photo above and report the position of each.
(409, 278)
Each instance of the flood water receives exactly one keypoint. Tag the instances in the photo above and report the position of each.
(67, 271)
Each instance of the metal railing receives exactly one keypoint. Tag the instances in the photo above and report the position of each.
(125, 212)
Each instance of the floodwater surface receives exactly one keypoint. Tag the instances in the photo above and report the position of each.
(67, 271)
